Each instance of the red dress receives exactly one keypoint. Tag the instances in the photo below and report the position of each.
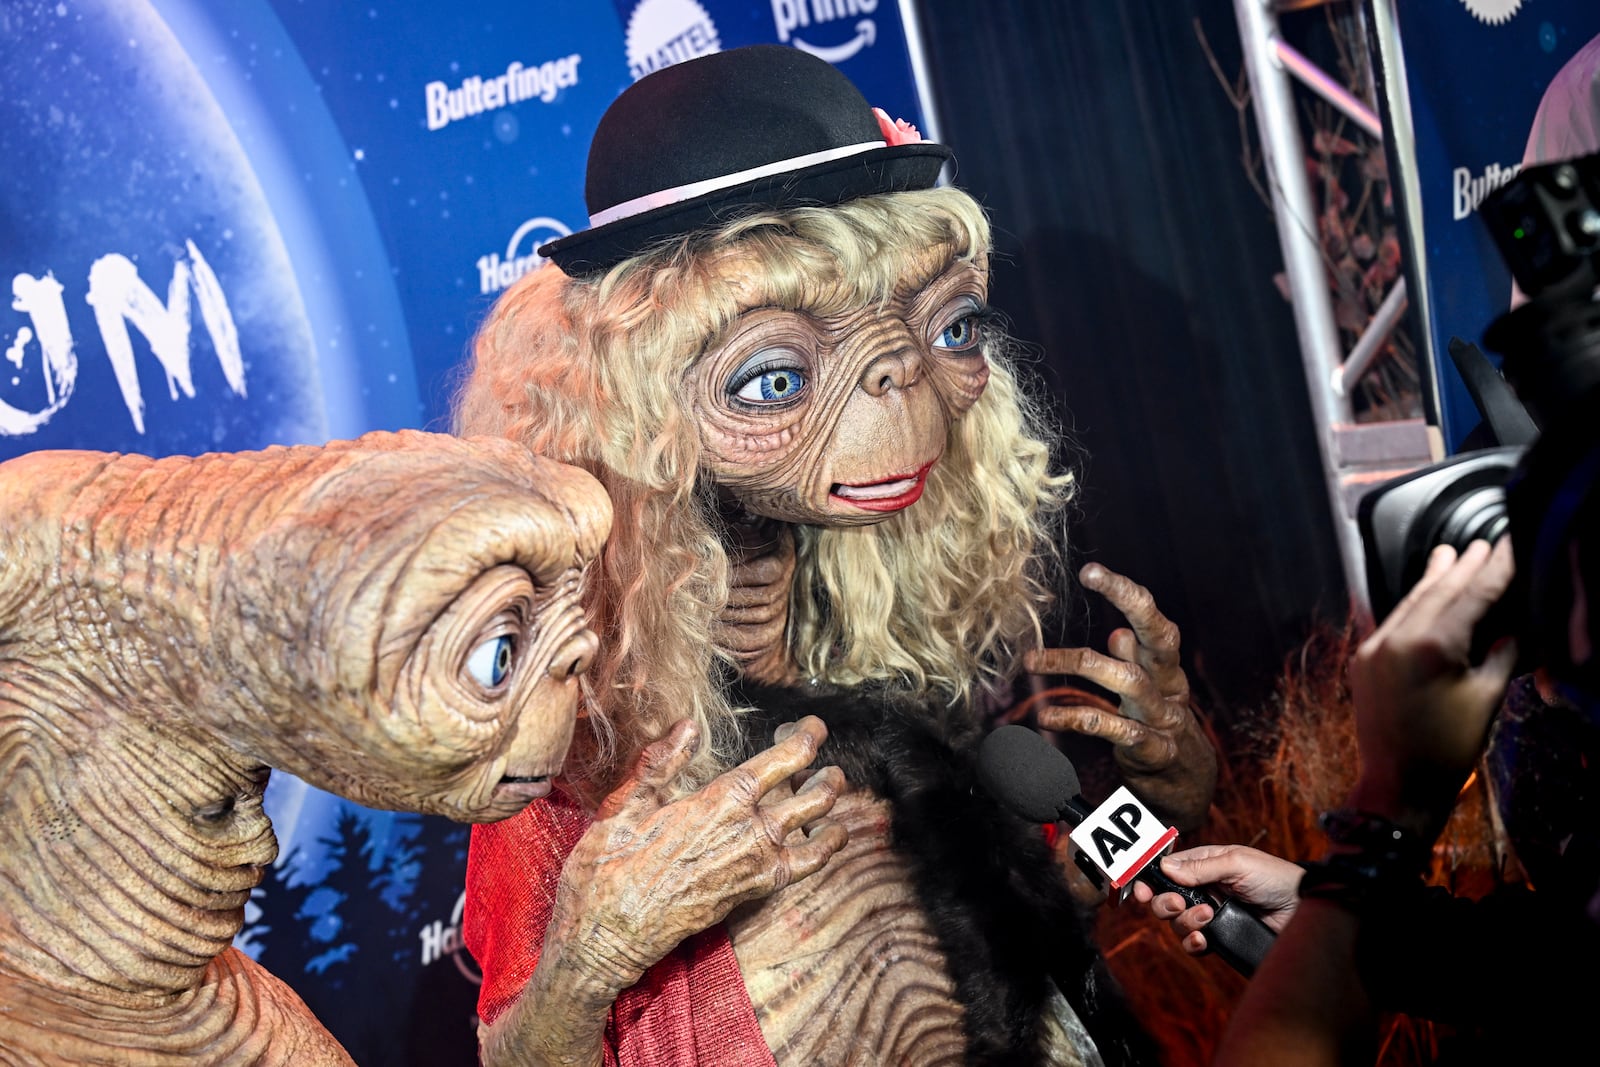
(691, 1008)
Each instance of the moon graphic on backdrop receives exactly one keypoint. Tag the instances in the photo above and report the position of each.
(114, 146)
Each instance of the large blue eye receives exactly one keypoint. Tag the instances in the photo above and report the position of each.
(962, 333)
(491, 661)
(772, 386)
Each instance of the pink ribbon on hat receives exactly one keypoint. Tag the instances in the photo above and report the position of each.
(896, 131)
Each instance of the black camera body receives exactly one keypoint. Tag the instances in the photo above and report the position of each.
(1539, 478)
(1546, 226)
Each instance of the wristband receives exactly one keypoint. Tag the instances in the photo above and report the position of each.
(1382, 840)
(1386, 860)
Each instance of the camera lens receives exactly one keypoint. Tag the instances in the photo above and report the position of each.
(1454, 502)
(1479, 514)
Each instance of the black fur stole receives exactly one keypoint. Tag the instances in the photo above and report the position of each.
(994, 895)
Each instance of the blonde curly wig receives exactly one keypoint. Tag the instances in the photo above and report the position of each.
(939, 599)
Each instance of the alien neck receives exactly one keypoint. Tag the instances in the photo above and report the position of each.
(751, 629)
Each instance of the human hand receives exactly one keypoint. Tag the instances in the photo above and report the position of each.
(1422, 707)
(1163, 753)
(649, 873)
(1268, 884)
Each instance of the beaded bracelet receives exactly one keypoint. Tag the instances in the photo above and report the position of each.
(1387, 859)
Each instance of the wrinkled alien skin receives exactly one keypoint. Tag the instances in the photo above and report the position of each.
(393, 619)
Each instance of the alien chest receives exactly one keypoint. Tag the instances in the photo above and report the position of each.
(846, 967)
(843, 966)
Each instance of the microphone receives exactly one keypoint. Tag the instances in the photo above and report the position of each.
(1118, 842)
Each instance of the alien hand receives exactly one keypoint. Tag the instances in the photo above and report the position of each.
(649, 873)
(1160, 746)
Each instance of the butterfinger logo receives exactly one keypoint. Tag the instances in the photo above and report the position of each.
(477, 94)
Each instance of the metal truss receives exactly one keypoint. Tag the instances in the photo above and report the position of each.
(1355, 456)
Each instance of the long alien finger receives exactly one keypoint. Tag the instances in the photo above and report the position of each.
(771, 767)
(1093, 722)
(1157, 633)
(823, 839)
(809, 803)
(1141, 697)
(644, 790)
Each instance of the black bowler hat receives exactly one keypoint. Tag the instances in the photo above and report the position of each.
(762, 126)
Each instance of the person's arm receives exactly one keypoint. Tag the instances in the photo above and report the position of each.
(649, 873)
(1422, 707)
(1422, 714)
(1305, 1006)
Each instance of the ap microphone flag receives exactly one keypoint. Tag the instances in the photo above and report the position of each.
(1117, 841)
(1121, 837)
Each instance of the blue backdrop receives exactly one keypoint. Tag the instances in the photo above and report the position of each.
(1475, 71)
(276, 222)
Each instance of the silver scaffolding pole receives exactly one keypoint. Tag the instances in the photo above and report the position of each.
(1355, 456)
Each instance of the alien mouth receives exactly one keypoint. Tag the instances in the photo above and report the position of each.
(522, 789)
(891, 494)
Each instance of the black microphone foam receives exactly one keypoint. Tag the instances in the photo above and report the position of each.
(1038, 782)
(1027, 774)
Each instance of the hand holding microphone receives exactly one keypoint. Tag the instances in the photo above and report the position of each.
(1119, 841)
(1268, 884)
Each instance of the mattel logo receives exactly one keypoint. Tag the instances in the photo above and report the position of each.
(497, 272)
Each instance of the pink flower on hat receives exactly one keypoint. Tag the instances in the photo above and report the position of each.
(896, 131)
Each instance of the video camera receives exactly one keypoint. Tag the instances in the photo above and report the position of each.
(1536, 478)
